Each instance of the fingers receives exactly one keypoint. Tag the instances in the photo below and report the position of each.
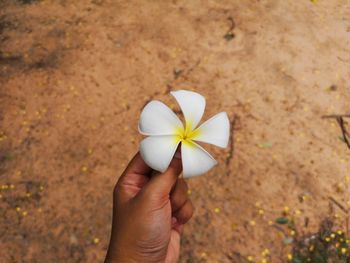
(137, 166)
(133, 179)
(162, 183)
(179, 195)
(181, 205)
(184, 213)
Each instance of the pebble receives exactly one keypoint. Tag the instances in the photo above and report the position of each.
(250, 258)
(96, 240)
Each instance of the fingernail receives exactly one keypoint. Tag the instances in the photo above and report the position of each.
(178, 155)
(173, 221)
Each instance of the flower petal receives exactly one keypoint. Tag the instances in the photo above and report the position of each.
(192, 105)
(158, 119)
(195, 160)
(158, 151)
(215, 131)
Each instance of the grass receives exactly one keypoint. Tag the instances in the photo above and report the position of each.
(327, 245)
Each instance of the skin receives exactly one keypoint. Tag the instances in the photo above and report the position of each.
(149, 213)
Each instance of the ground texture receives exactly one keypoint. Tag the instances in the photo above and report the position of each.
(74, 76)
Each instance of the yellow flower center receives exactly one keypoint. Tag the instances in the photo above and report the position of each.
(186, 135)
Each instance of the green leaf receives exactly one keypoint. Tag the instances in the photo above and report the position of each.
(266, 145)
(282, 220)
(288, 240)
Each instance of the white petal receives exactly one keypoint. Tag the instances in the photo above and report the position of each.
(192, 105)
(215, 131)
(158, 119)
(195, 160)
(158, 151)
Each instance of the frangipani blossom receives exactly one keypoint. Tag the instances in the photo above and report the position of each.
(166, 132)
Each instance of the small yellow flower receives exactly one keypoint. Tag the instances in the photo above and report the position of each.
(297, 212)
(265, 252)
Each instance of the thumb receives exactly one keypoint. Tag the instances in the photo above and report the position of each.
(162, 183)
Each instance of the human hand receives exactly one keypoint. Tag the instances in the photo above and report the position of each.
(150, 210)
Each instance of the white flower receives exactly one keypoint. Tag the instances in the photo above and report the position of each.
(166, 132)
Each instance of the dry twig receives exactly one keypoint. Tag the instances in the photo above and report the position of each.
(341, 122)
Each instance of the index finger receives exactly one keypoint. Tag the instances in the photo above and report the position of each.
(137, 166)
(133, 179)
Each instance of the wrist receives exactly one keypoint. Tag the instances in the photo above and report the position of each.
(120, 255)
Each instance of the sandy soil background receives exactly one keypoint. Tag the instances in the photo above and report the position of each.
(74, 76)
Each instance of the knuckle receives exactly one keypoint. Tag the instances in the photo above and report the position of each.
(178, 201)
(191, 210)
(116, 190)
(186, 212)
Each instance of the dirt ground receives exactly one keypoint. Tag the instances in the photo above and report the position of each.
(74, 76)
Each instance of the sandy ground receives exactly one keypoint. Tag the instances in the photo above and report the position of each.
(74, 76)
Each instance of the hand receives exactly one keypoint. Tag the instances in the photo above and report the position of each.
(150, 210)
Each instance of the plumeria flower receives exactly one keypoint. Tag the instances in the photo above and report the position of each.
(166, 132)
